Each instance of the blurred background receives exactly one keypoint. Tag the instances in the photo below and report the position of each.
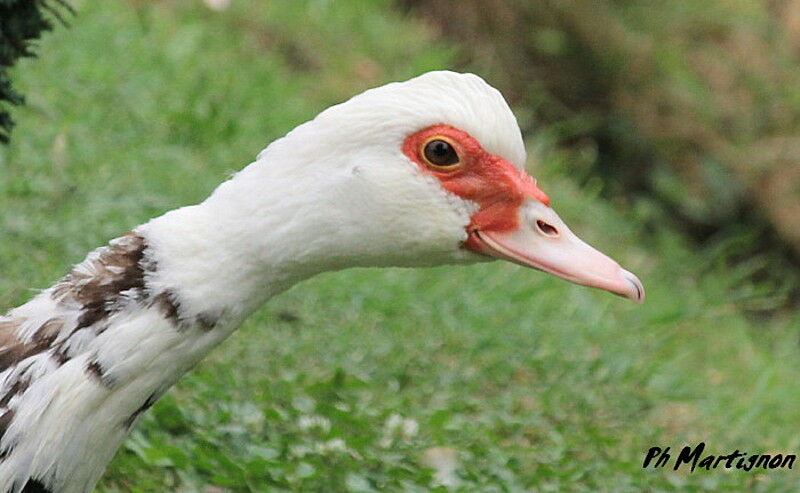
(666, 134)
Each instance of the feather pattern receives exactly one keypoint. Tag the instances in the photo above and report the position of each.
(82, 360)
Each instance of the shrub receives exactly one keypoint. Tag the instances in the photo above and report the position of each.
(21, 24)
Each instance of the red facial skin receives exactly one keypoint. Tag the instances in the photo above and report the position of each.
(497, 186)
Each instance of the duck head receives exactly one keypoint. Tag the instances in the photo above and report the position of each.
(422, 172)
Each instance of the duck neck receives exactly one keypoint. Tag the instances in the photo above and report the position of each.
(224, 257)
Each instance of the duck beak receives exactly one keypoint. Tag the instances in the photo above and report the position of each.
(542, 241)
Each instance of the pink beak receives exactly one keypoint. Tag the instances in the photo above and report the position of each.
(544, 242)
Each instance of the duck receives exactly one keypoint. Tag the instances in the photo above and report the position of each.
(424, 172)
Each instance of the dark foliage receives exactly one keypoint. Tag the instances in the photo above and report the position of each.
(21, 24)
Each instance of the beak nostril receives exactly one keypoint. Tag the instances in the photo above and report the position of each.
(546, 229)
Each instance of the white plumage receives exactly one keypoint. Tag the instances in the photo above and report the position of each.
(350, 188)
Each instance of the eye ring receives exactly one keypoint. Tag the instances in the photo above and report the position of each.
(439, 153)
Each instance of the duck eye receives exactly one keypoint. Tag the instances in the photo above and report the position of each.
(440, 153)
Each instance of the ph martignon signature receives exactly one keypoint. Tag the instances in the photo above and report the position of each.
(693, 457)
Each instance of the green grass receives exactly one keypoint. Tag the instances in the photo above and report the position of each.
(344, 382)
